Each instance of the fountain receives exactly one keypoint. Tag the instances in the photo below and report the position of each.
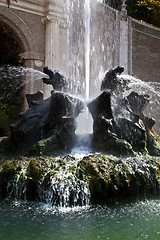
(53, 118)
(123, 145)
(119, 121)
(119, 118)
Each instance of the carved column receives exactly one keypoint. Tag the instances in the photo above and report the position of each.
(125, 40)
(52, 43)
(55, 36)
(124, 37)
(55, 22)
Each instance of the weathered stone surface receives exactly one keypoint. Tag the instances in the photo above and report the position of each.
(101, 106)
(70, 182)
(111, 177)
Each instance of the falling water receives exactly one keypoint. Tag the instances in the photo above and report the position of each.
(61, 185)
(87, 46)
(84, 120)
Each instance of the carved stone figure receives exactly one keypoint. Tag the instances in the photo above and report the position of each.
(120, 118)
(56, 79)
(110, 80)
(53, 117)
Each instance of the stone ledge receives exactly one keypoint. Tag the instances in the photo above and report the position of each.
(32, 55)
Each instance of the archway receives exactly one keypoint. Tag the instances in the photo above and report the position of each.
(10, 45)
(11, 92)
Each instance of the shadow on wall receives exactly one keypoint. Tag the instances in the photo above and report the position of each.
(10, 105)
(10, 45)
(114, 3)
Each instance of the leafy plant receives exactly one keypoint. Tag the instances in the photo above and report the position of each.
(153, 8)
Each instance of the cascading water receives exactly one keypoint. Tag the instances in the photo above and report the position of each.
(73, 181)
(84, 120)
(61, 184)
(87, 46)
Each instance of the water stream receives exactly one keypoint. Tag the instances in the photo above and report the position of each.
(15, 78)
(137, 219)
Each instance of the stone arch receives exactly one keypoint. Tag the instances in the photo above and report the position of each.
(10, 45)
(23, 35)
(16, 34)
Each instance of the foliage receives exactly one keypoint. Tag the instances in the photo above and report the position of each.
(145, 10)
(153, 8)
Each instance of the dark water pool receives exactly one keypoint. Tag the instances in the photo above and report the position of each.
(133, 220)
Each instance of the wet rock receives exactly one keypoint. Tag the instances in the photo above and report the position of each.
(137, 103)
(110, 177)
(49, 180)
(54, 117)
(114, 120)
(101, 106)
(153, 146)
(68, 181)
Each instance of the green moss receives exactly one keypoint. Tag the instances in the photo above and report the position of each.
(46, 147)
(114, 146)
(11, 168)
(36, 170)
(152, 145)
(158, 169)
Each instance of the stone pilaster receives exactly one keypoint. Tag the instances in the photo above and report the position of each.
(55, 22)
(125, 40)
(55, 36)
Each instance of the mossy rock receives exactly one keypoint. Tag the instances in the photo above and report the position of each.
(113, 146)
(36, 170)
(110, 177)
(106, 177)
(153, 145)
(47, 147)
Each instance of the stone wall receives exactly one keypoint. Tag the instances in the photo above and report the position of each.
(41, 31)
(145, 51)
(145, 64)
